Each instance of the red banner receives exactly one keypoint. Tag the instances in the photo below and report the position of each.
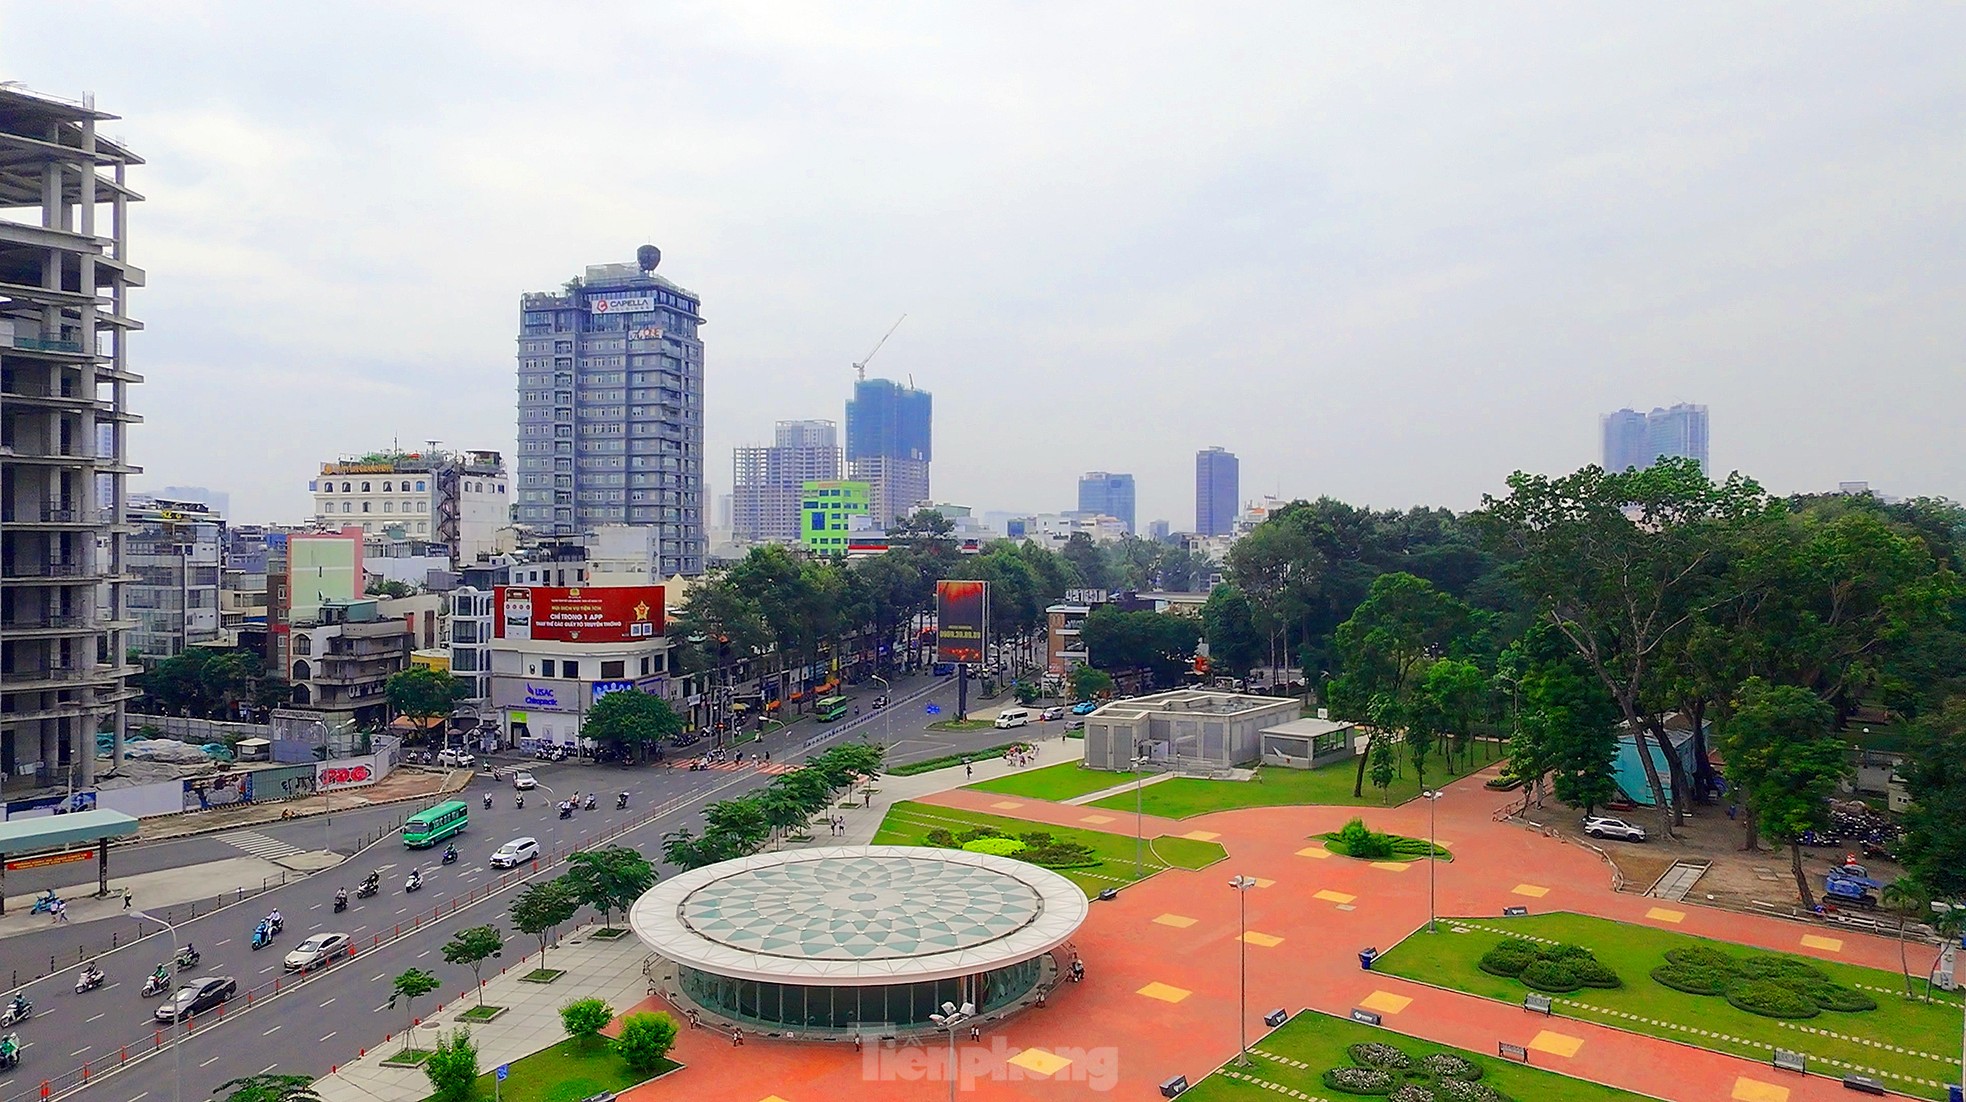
(50, 859)
(579, 614)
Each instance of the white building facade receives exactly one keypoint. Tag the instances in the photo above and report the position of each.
(459, 499)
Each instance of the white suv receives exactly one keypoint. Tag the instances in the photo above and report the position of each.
(515, 853)
(1603, 826)
(456, 758)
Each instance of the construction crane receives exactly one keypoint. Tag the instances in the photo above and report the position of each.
(860, 368)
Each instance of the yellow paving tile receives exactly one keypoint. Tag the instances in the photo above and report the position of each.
(1202, 835)
(1179, 922)
(1754, 1090)
(1826, 944)
(1330, 896)
(1166, 993)
(1040, 1061)
(1097, 819)
(1385, 1002)
(771, 1098)
(1533, 891)
(1007, 805)
(1318, 852)
(1661, 914)
(1556, 1044)
(1262, 883)
(1392, 866)
(1266, 941)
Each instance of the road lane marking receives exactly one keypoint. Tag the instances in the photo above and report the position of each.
(315, 907)
(139, 1097)
(314, 927)
(93, 1019)
(227, 941)
(423, 954)
(326, 1039)
(324, 1005)
(80, 1051)
(372, 979)
(402, 910)
(265, 970)
(272, 1031)
(209, 1062)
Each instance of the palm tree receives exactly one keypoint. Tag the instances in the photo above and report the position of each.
(266, 1087)
(1905, 897)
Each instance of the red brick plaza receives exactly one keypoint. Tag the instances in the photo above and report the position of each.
(1160, 996)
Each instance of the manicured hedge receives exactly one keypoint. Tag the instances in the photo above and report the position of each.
(1558, 969)
(1771, 999)
(1771, 985)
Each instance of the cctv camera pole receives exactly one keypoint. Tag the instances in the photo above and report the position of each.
(962, 691)
(177, 1059)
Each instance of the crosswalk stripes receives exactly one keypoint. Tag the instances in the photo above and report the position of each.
(259, 845)
(773, 769)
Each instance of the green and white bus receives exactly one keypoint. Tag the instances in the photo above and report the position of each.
(830, 708)
(433, 825)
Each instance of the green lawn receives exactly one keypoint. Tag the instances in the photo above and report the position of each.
(908, 824)
(1182, 797)
(565, 1073)
(1055, 782)
(1929, 1032)
(1320, 1041)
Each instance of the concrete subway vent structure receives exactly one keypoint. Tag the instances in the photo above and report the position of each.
(857, 940)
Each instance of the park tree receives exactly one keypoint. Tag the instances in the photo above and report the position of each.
(645, 1041)
(610, 879)
(1141, 640)
(452, 1067)
(268, 1087)
(1782, 754)
(583, 1019)
(472, 947)
(1234, 645)
(1087, 683)
(541, 908)
(1622, 565)
(1403, 623)
(409, 986)
(631, 719)
(1453, 695)
(425, 695)
(1934, 848)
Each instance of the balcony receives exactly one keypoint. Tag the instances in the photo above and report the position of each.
(31, 516)
(21, 624)
(46, 344)
(27, 572)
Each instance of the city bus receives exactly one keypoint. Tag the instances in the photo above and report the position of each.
(433, 825)
(830, 708)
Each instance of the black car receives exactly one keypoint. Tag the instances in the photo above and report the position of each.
(197, 997)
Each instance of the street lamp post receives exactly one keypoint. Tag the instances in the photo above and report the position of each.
(1433, 797)
(1242, 884)
(327, 808)
(952, 1018)
(177, 1060)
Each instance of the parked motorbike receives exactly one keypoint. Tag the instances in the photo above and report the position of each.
(45, 903)
(90, 979)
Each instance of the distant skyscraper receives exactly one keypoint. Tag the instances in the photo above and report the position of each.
(1218, 486)
(770, 480)
(1158, 529)
(1111, 494)
(1634, 439)
(611, 409)
(888, 445)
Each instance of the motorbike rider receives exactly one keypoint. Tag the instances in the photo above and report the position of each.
(521, 801)
(450, 852)
(416, 877)
(91, 975)
(188, 953)
(277, 923)
(162, 975)
(341, 897)
(487, 801)
(20, 1006)
(621, 799)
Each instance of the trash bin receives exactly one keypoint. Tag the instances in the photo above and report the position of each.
(1366, 957)
(1954, 1093)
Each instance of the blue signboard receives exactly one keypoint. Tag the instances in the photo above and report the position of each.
(603, 688)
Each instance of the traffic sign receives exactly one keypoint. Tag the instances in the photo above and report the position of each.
(503, 1070)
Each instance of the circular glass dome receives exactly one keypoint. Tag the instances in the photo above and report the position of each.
(860, 908)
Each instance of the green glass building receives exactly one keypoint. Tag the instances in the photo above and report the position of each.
(826, 510)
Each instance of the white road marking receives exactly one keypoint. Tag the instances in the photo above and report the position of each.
(80, 1051)
(272, 1031)
(93, 1019)
(227, 941)
(423, 954)
(265, 970)
(138, 1097)
(268, 1068)
(327, 1038)
(324, 1005)
(372, 979)
(315, 907)
(209, 1062)
(402, 910)
(109, 987)
(314, 927)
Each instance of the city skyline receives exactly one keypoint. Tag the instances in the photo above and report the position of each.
(1689, 235)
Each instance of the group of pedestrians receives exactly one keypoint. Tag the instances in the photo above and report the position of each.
(1020, 756)
(837, 823)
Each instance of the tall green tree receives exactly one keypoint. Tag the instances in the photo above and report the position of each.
(1383, 648)
(472, 947)
(1234, 644)
(1782, 753)
(542, 907)
(425, 695)
(1622, 565)
(632, 719)
(1934, 849)
(1159, 643)
(610, 879)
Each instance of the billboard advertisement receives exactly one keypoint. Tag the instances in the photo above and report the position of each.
(621, 304)
(578, 614)
(962, 618)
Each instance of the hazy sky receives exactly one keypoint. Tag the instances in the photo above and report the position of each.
(1384, 252)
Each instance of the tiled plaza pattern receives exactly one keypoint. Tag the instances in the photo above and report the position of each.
(1160, 996)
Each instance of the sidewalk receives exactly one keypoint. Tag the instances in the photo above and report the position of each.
(607, 970)
(207, 886)
(863, 822)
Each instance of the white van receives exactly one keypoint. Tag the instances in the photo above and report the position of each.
(1013, 717)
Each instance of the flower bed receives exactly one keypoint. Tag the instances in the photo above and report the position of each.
(1384, 1070)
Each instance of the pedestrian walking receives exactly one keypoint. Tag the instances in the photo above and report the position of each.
(976, 1033)
(126, 899)
(968, 770)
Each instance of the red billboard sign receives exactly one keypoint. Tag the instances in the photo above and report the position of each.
(962, 621)
(578, 614)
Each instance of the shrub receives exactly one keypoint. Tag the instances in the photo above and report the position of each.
(1360, 842)
(1551, 975)
(1700, 957)
(1002, 847)
(1840, 997)
(453, 1068)
(1375, 1055)
(1780, 969)
(1771, 999)
(1449, 1066)
(940, 837)
(645, 1041)
(585, 1018)
(1592, 972)
(1693, 981)
(1509, 957)
(1359, 1081)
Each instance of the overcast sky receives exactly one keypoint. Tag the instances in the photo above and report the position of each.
(1384, 252)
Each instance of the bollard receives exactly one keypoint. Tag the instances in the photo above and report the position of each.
(249, 994)
(123, 1054)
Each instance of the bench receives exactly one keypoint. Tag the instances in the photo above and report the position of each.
(1862, 1084)
(1786, 1060)
(1507, 1051)
(1539, 1004)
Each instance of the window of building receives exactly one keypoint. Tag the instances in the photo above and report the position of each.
(365, 506)
(388, 506)
(344, 487)
(406, 507)
(365, 487)
(386, 487)
(546, 667)
(614, 671)
(419, 486)
(569, 668)
(345, 506)
(303, 644)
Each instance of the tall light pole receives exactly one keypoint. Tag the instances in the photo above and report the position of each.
(1433, 797)
(327, 809)
(952, 1018)
(1139, 820)
(1242, 884)
(177, 1060)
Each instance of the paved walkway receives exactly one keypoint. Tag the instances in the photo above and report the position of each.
(403, 784)
(209, 885)
(609, 970)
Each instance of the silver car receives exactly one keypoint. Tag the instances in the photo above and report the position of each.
(315, 951)
(1603, 826)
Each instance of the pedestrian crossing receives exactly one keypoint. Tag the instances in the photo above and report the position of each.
(772, 769)
(259, 845)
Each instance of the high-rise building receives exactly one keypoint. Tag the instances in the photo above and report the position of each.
(1158, 530)
(770, 479)
(1218, 486)
(611, 408)
(175, 554)
(829, 511)
(888, 446)
(1107, 494)
(1634, 439)
(65, 320)
(458, 499)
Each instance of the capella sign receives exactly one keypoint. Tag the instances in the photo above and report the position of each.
(621, 304)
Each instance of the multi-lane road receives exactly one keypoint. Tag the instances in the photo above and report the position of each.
(312, 1025)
